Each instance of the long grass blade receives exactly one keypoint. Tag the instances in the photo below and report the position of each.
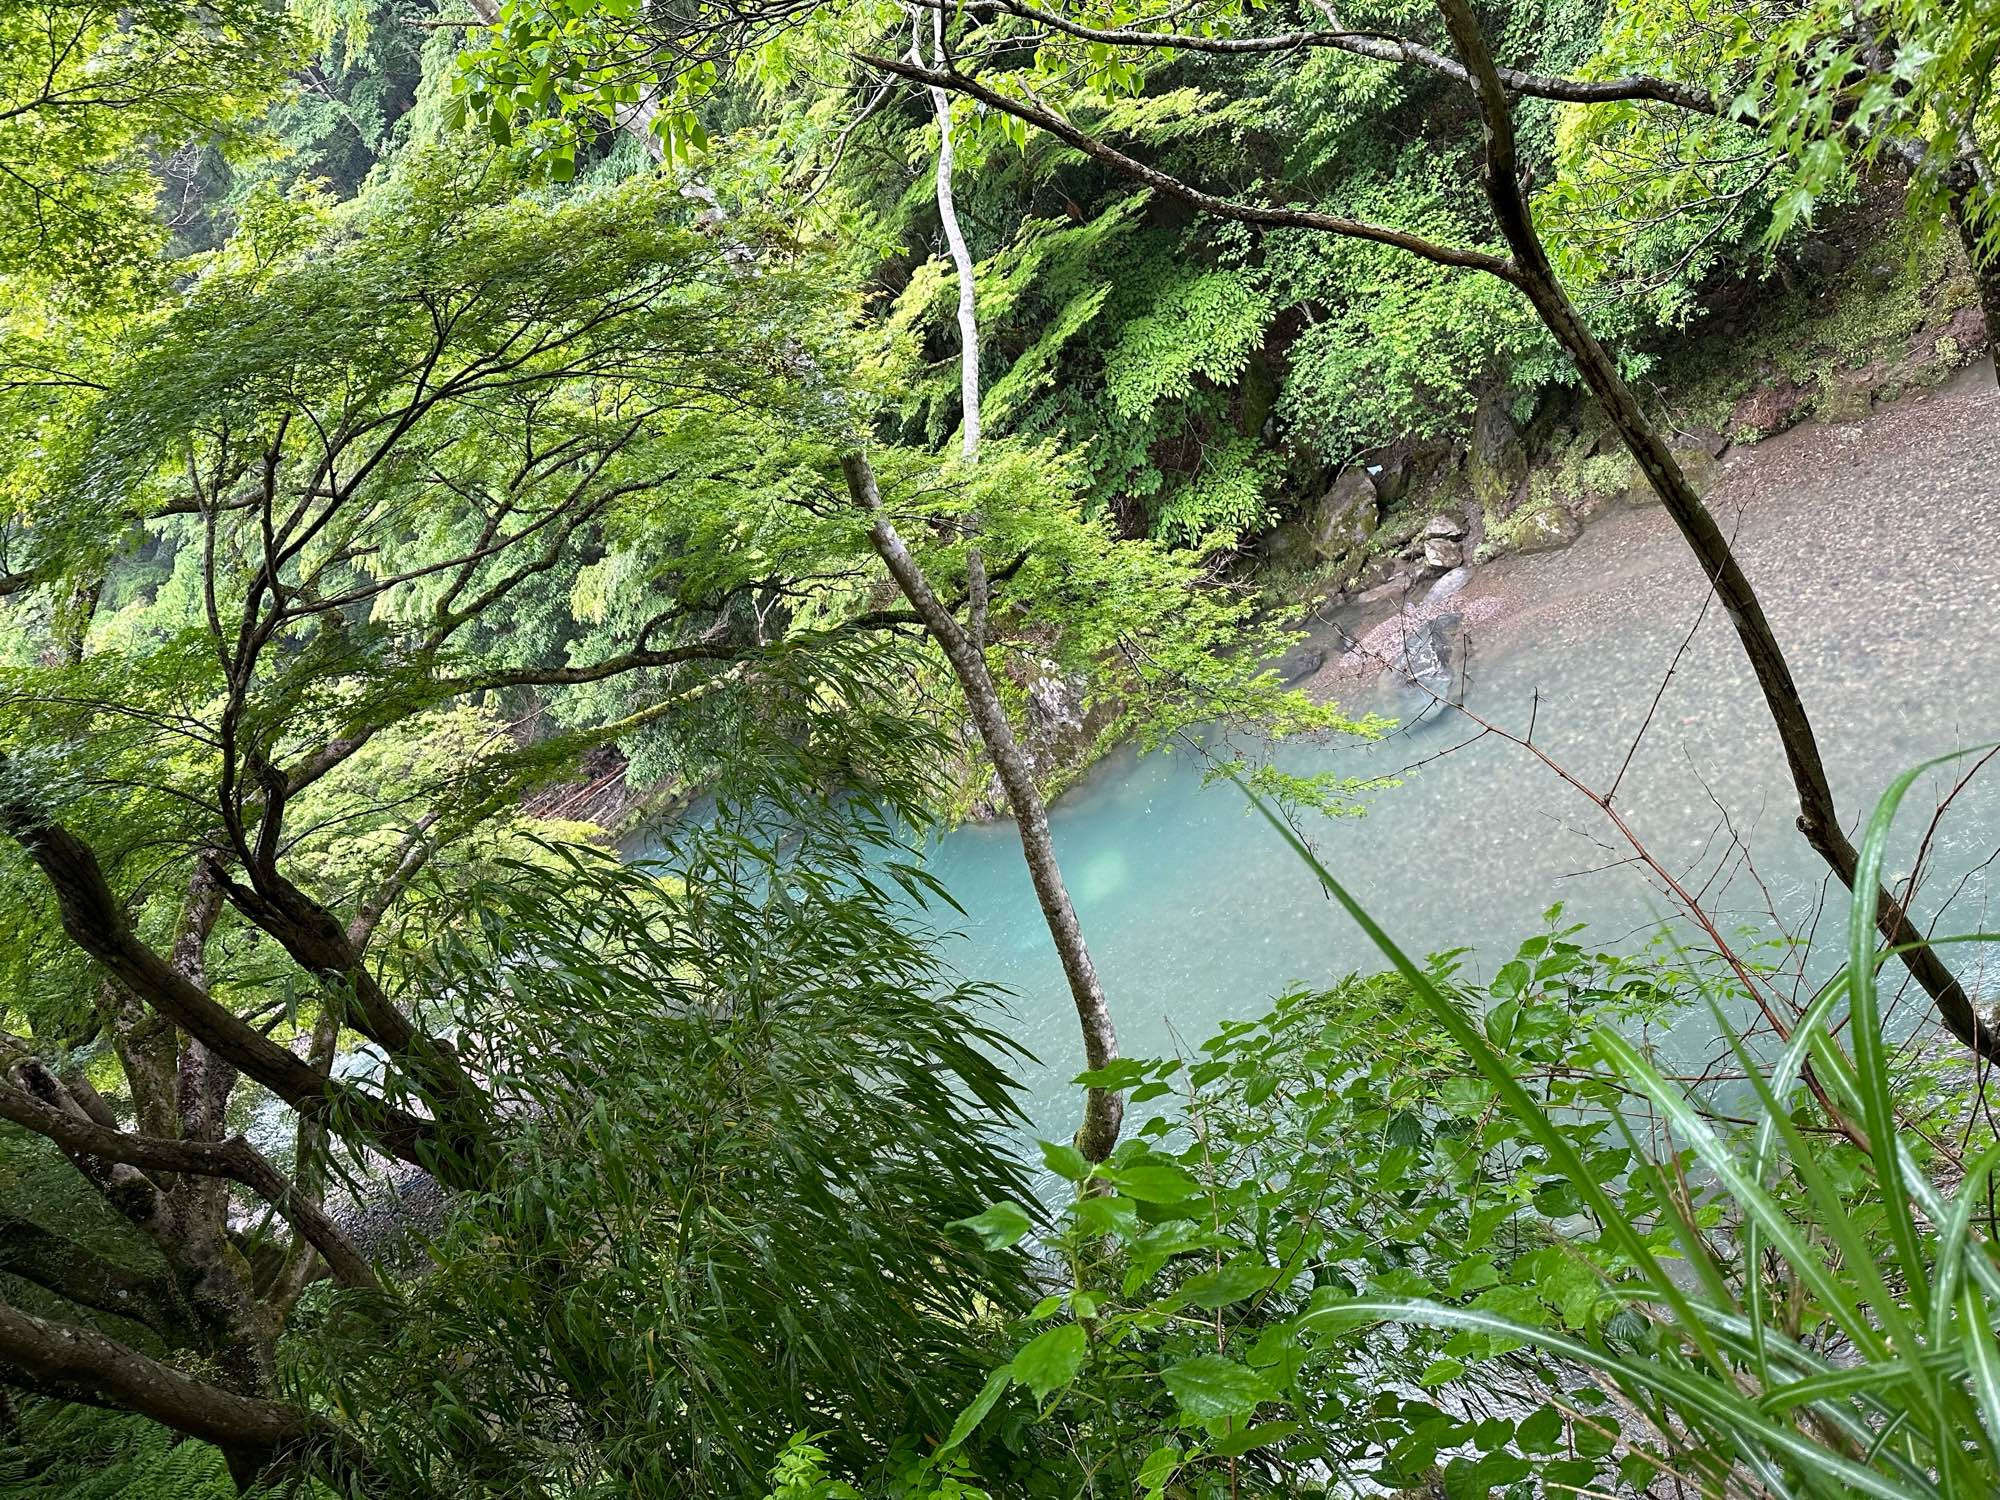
(1689, 1391)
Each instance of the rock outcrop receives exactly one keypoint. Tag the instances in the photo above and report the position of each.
(1498, 462)
(1346, 516)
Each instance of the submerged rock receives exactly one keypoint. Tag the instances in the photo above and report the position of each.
(1422, 660)
(1300, 662)
(1449, 586)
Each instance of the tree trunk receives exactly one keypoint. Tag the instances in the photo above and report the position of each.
(1103, 1109)
(1819, 819)
(954, 238)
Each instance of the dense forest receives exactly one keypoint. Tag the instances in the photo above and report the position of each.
(523, 523)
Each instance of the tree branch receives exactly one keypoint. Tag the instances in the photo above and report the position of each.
(63, 1268)
(1246, 213)
(1375, 45)
(80, 1364)
(235, 1160)
(96, 921)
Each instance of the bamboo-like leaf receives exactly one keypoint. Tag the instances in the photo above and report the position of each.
(1865, 1016)
(1689, 1391)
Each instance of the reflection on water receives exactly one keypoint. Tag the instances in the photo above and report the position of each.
(1878, 553)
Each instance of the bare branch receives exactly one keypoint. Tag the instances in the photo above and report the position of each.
(235, 1160)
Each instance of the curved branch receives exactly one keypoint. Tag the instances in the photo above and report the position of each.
(1246, 213)
(80, 1364)
(63, 1268)
(1375, 45)
(235, 1160)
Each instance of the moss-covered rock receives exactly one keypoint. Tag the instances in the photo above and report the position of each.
(1346, 516)
(1498, 461)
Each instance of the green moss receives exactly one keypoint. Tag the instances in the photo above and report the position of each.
(1812, 335)
(1504, 535)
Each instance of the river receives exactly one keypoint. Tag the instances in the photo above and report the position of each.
(1876, 548)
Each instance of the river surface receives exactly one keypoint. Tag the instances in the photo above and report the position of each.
(1876, 548)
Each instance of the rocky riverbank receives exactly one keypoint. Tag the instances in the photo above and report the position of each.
(1867, 325)
(1809, 510)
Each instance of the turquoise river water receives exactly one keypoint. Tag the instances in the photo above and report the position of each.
(1877, 550)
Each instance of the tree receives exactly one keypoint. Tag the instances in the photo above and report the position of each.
(90, 92)
(629, 98)
(356, 456)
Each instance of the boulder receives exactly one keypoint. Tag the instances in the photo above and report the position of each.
(1548, 529)
(1300, 662)
(1822, 258)
(1769, 409)
(1391, 469)
(1288, 548)
(1377, 570)
(1711, 442)
(1498, 462)
(1849, 395)
(1592, 503)
(1961, 338)
(1346, 515)
(1445, 526)
(1443, 553)
(1394, 588)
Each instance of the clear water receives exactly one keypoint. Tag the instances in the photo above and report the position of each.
(1877, 550)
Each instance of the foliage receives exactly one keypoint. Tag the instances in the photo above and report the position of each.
(79, 1453)
(88, 90)
(748, 1102)
(1339, 1145)
(1872, 1260)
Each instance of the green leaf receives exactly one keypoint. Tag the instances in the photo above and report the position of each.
(1051, 1359)
(1153, 1182)
(1159, 1468)
(1540, 1433)
(1236, 1444)
(1209, 1387)
(1065, 1161)
(1119, 1073)
(1465, 1096)
(1440, 1372)
(1227, 1284)
(982, 1403)
(1005, 1223)
(1104, 1215)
